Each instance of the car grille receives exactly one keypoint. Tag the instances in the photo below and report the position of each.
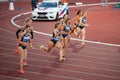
(42, 18)
(42, 13)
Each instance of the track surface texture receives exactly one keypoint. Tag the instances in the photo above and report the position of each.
(92, 62)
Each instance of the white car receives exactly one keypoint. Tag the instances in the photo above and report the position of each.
(50, 10)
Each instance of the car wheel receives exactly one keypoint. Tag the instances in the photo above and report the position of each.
(32, 19)
(56, 17)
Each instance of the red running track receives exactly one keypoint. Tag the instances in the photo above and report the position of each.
(92, 62)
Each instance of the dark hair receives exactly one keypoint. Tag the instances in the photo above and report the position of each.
(56, 25)
(60, 3)
(27, 26)
(67, 20)
(78, 12)
(64, 15)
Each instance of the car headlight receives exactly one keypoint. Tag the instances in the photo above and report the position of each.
(51, 12)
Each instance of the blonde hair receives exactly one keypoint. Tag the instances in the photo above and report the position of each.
(83, 13)
(27, 20)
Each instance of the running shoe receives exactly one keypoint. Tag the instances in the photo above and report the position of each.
(16, 52)
(25, 63)
(22, 71)
(41, 47)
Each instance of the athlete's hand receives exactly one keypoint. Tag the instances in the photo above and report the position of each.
(31, 46)
(87, 25)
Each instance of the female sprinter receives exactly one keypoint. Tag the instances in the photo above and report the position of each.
(77, 19)
(24, 41)
(55, 41)
(81, 26)
(66, 30)
(28, 22)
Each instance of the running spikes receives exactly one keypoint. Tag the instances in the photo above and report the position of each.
(41, 47)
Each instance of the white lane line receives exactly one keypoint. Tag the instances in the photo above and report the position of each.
(75, 39)
(88, 41)
(19, 15)
(71, 59)
(71, 78)
(94, 4)
(70, 53)
(11, 32)
(75, 54)
(80, 60)
(84, 51)
(10, 38)
(5, 76)
(107, 64)
(78, 72)
(67, 64)
(5, 30)
(4, 12)
(11, 13)
(37, 44)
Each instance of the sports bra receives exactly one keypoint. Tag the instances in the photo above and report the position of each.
(26, 38)
(67, 28)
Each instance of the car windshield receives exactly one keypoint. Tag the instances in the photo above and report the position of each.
(48, 4)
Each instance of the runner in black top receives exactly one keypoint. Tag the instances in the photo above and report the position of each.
(28, 22)
(24, 41)
(55, 41)
(66, 30)
(81, 27)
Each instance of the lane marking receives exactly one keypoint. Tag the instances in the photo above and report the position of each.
(11, 13)
(12, 77)
(68, 64)
(75, 54)
(98, 63)
(75, 71)
(36, 38)
(75, 39)
(44, 74)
